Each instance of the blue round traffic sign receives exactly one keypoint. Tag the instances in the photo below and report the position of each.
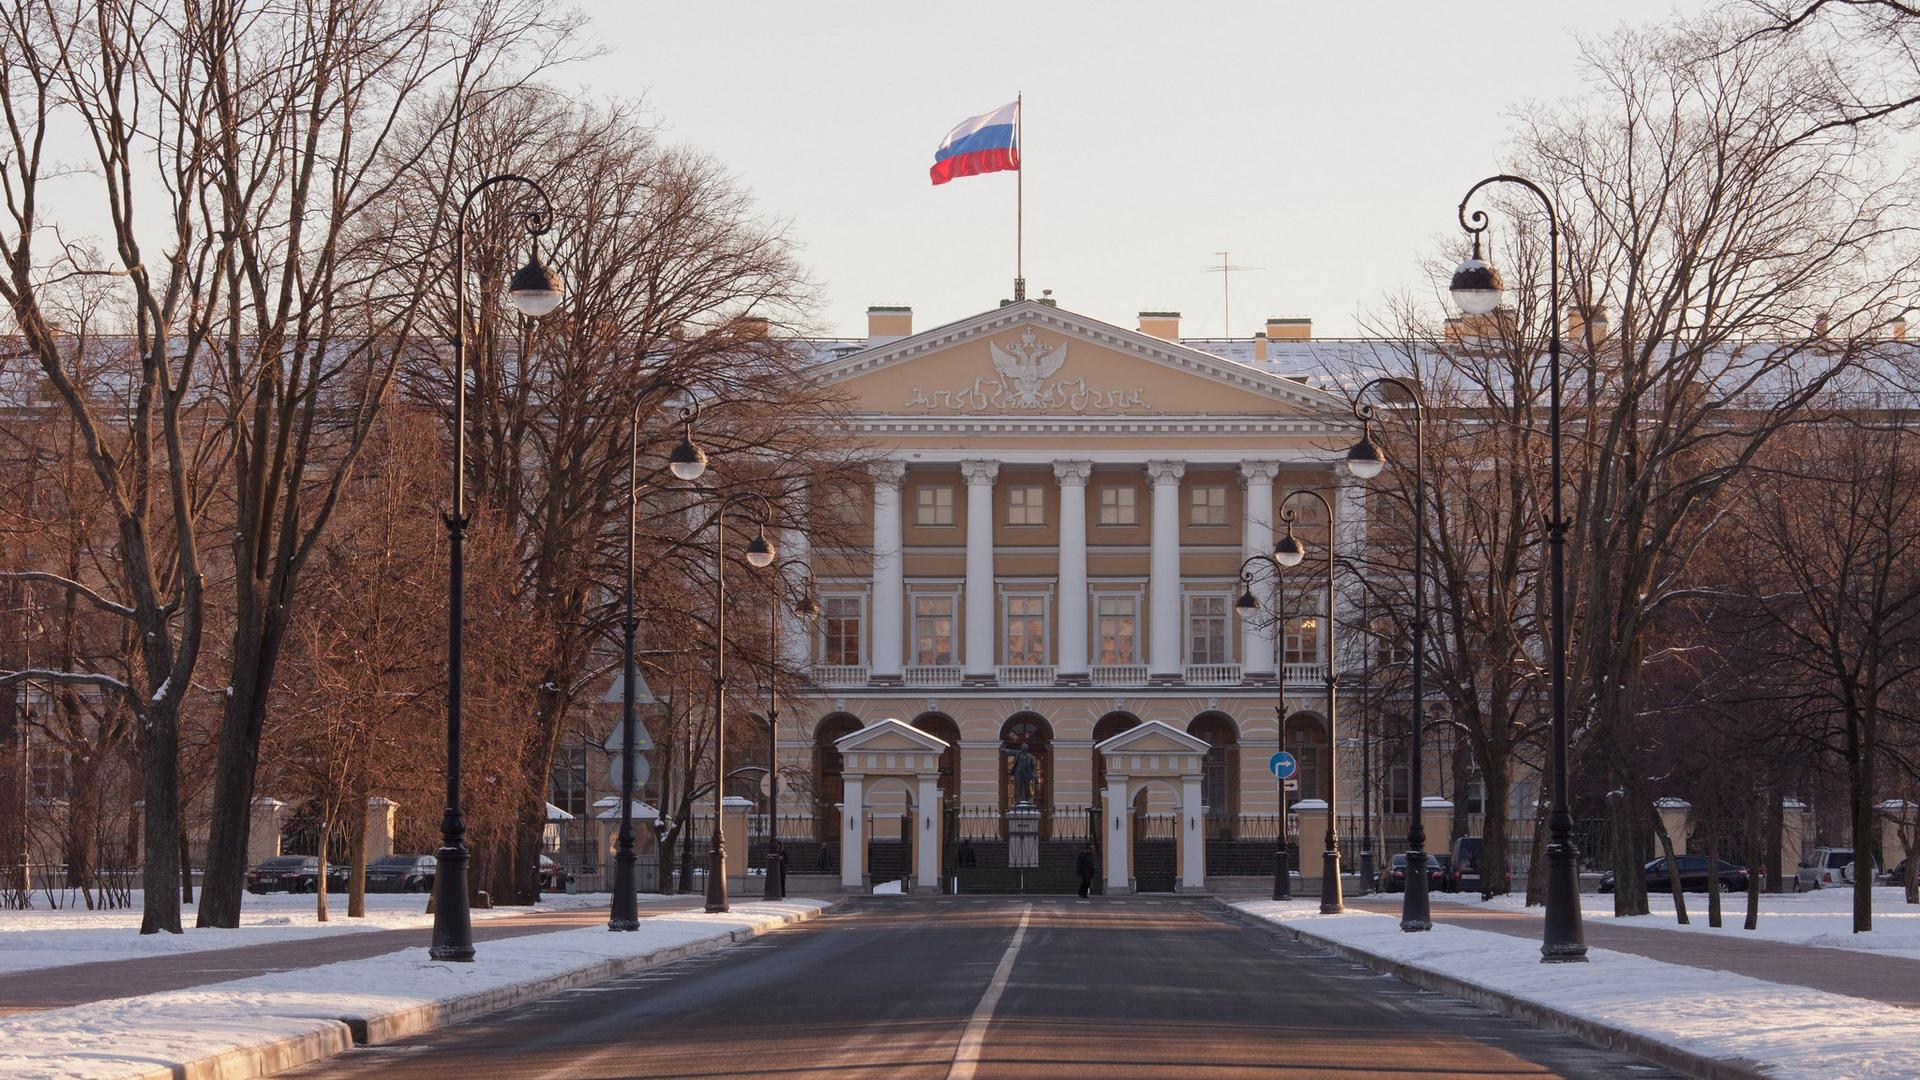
(1282, 765)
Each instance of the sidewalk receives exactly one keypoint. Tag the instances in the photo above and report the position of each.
(1854, 973)
(79, 984)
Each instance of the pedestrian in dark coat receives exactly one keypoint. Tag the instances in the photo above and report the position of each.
(1086, 868)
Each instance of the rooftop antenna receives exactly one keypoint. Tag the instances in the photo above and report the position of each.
(1226, 270)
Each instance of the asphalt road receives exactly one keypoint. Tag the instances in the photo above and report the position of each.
(996, 988)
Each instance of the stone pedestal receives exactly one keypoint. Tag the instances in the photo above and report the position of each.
(735, 810)
(1023, 837)
(263, 832)
(1436, 817)
(380, 815)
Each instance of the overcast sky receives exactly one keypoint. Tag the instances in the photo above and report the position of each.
(1324, 144)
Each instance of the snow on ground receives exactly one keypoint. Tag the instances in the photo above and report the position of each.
(1821, 918)
(1712, 1013)
(135, 1036)
(49, 937)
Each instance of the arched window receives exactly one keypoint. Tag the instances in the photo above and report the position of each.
(829, 787)
(1032, 731)
(1110, 725)
(942, 727)
(1217, 772)
(1307, 742)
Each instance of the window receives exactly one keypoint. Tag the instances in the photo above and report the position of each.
(1300, 640)
(1117, 616)
(840, 630)
(570, 780)
(1390, 645)
(845, 503)
(933, 505)
(1207, 630)
(1475, 795)
(1026, 506)
(1208, 505)
(50, 769)
(1399, 794)
(1117, 506)
(932, 630)
(1026, 629)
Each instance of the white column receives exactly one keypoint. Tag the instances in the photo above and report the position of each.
(889, 594)
(926, 846)
(1119, 836)
(853, 837)
(796, 633)
(1193, 841)
(979, 593)
(1163, 580)
(1256, 633)
(1071, 653)
(1349, 532)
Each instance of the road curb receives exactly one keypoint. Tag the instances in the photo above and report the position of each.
(338, 1034)
(1592, 1032)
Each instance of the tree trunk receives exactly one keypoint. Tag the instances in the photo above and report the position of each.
(1776, 838)
(160, 819)
(186, 868)
(1860, 804)
(1673, 875)
(1755, 860)
(254, 648)
(1537, 860)
(1496, 876)
(357, 874)
(1713, 871)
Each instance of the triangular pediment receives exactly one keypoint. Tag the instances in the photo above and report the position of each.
(1033, 359)
(890, 735)
(1153, 737)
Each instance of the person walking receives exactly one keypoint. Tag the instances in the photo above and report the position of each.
(1086, 869)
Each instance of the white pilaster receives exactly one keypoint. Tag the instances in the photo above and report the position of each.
(1119, 837)
(1071, 655)
(853, 837)
(796, 546)
(1349, 531)
(1256, 632)
(1163, 580)
(927, 845)
(889, 571)
(978, 661)
(1193, 841)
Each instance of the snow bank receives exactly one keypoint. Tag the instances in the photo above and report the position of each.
(1794, 1031)
(253, 1026)
(51, 937)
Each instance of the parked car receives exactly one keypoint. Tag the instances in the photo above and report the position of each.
(1693, 876)
(294, 874)
(553, 878)
(1824, 868)
(402, 873)
(1897, 875)
(1463, 869)
(1396, 875)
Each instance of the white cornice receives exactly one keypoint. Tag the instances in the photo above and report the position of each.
(1166, 353)
(911, 424)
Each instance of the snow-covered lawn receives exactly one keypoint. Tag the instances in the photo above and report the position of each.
(49, 937)
(1793, 1031)
(1822, 918)
(270, 1022)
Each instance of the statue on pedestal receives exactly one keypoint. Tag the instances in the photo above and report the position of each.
(1024, 770)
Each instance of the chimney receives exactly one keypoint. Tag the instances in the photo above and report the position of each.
(888, 324)
(1289, 329)
(1821, 325)
(1900, 329)
(1164, 325)
(1259, 346)
(1577, 320)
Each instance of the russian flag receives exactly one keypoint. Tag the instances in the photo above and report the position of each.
(980, 144)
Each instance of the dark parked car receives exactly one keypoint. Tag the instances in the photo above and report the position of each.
(1463, 870)
(1437, 866)
(294, 874)
(1693, 876)
(401, 873)
(552, 877)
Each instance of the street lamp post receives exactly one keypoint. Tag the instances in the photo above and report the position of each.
(760, 554)
(1476, 287)
(1247, 604)
(688, 462)
(807, 608)
(1366, 744)
(1289, 552)
(1365, 462)
(534, 291)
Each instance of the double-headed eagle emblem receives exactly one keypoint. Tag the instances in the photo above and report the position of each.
(1025, 368)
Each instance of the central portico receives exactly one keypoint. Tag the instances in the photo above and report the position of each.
(1058, 511)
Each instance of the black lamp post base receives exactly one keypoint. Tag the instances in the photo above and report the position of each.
(1415, 915)
(1282, 876)
(1367, 871)
(774, 874)
(452, 913)
(625, 914)
(1564, 941)
(717, 875)
(1330, 902)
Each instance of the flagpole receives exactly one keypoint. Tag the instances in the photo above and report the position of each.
(1019, 198)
